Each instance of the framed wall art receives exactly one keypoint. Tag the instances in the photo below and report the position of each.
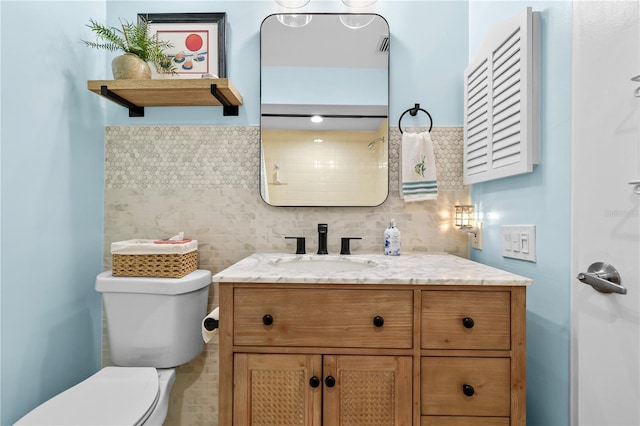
(198, 41)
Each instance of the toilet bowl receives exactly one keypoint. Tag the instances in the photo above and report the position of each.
(154, 325)
(112, 396)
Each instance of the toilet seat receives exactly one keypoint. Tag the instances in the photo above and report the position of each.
(112, 396)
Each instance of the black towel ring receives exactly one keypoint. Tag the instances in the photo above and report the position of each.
(414, 111)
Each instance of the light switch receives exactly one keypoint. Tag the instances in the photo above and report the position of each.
(506, 241)
(515, 242)
(524, 242)
(519, 242)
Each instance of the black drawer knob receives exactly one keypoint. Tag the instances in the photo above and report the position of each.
(330, 381)
(468, 322)
(468, 390)
(267, 319)
(378, 321)
(314, 382)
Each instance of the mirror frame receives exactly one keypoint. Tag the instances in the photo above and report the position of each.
(263, 173)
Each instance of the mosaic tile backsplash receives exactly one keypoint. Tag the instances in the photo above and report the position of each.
(204, 180)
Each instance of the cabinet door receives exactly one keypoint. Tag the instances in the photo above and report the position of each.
(273, 389)
(368, 390)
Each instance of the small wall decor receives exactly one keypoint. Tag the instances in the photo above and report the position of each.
(198, 41)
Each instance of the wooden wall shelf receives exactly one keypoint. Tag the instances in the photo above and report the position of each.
(137, 94)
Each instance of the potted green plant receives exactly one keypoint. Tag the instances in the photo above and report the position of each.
(138, 47)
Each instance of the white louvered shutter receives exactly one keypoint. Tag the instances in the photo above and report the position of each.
(501, 102)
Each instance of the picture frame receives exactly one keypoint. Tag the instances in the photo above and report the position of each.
(198, 39)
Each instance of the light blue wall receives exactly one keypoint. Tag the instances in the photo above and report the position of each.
(0, 219)
(541, 198)
(52, 202)
(428, 53)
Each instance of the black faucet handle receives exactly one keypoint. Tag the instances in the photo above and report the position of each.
(344, 246)
(300, 244)
(323, 230)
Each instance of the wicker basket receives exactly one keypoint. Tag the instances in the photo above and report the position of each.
(154, 265)
(146, 258)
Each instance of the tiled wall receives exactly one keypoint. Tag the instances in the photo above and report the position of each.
(325, 168)
(204, 180)
(328, 168)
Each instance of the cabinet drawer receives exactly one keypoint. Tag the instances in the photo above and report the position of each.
(323, 317)
(444, 379)
(463, 421)
(466, 320)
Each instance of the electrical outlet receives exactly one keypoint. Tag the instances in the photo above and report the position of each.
(476, 239)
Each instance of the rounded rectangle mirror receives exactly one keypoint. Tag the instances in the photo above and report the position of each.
(324, 84)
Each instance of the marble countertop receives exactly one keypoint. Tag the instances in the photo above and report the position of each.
(442, 269)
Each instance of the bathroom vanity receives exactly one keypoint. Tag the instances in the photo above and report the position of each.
(371, 340)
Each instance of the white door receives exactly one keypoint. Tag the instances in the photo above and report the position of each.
(605, 340)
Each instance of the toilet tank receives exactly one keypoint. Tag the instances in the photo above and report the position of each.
(154, 322)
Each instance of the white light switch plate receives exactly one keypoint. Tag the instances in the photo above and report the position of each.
(519, 242)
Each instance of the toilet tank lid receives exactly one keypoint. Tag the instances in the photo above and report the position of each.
(107, 283)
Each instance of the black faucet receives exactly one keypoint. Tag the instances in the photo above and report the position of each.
(323, 228)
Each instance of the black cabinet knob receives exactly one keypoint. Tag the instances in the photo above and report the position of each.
(267, 319)
(314, 382)
(468, 390)
(330, 381)
(468, 322)
(378, 321)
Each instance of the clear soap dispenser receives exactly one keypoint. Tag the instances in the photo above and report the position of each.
(392, 239)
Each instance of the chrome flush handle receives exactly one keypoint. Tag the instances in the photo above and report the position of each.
(636, 184)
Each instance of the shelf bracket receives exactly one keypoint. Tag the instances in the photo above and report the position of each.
(227, 108)
(134, 110)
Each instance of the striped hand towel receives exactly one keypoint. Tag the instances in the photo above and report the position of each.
(417, 168)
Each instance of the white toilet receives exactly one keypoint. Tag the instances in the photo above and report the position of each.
(154, 325)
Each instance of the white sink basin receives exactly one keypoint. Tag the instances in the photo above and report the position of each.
(323, 264)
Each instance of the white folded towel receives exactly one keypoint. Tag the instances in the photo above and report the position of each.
(418, 180)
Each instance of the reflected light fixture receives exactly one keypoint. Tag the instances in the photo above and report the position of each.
(355, 21)
(293, 4)
(317, 119)
(358, 3)
(293, 20)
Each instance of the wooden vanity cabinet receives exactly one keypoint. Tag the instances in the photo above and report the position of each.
(294, 389)
(338, 354)
(472, 366)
